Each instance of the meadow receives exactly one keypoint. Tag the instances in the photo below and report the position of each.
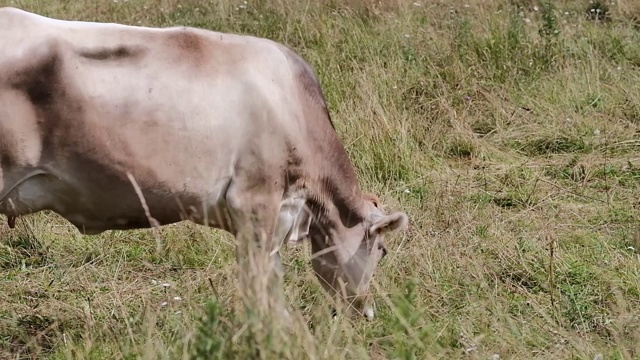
(508, 130)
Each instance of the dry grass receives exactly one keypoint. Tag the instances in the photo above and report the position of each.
(509, 132)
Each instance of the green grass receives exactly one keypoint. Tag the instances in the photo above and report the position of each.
(509, 135)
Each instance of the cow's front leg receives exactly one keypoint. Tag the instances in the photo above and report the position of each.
(260, 272)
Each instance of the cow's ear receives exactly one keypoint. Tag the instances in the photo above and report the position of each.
(293, 222)
(301, 224)
(389, 223)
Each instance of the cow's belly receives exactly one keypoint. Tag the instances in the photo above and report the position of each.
(98, 208)
(95, 202)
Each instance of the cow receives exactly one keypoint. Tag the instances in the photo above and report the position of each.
(120, 127)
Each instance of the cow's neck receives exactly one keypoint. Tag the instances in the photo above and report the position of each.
(330, 181)
(337, 211)
(336, 198)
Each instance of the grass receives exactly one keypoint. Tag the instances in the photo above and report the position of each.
(508, 130)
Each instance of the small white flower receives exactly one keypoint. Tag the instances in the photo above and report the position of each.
(369, 313)
(177, 298)
(407, 35)
(164, 303)
(527, 20)
(417, 4)
(154, 282)
(166, 285)
(406, 191)
(467, 5)
(535, 8)
(596, 132)
(631, 248)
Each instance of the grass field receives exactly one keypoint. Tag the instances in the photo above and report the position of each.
(508, 130)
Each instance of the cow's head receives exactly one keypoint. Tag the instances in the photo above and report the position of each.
(346, 253)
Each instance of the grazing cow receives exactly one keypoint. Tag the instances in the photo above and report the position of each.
(124, 127)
